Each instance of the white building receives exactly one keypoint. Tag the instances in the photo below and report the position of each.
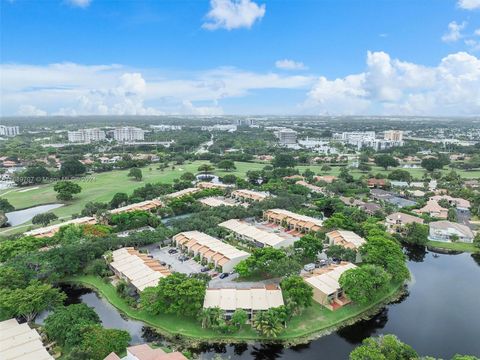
(286, 136)
(9, 130)
(445, 230)
(220, 127)
(86, 135)
(361, 139)
(166, 127)
(128, 133)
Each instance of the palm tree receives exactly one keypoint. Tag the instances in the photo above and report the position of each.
(211, 317)
(268, 323)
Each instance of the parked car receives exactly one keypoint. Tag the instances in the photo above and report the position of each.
(309, 267)
(223, 275)
(205, 269)
(163, 263)
(172, 251)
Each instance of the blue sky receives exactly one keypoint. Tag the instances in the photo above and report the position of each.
(240, 57)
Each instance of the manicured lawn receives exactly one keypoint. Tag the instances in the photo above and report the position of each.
(458, 246)
(314, 319)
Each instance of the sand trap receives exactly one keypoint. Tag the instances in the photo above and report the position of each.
(25, 190)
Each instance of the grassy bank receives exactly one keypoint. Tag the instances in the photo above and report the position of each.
(314, 320)
(458, 246)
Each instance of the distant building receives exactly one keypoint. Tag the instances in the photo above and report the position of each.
(216, 201)
(9, 131)
(286, 136)
(367, 139)
(166, 127)
(249, 195)
(220, 127)
(245, 122)
(393, 135)
(433, 209)
(49, 231)
(292, 221)
(145, 352)
(447, 230)
(86, 135)
(128, 133)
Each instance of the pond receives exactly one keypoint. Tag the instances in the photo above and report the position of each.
(439, 316)
(22, 216)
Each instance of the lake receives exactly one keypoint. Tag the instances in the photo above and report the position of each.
(22, 216)
(439, 316)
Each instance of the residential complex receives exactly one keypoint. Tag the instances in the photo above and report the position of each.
(222, 255)
(146, 205)
(393, 135)
(9, 131)
(259, 235)
(433, 209)
(249, 195)
(49, 231)
(137, 269)
(181, 193)
(216, 201)
(326, 289)
(19, 341)
(252, 300)
(450, 231)
(162, 128)
(86, 135)
(292, 221)
(367, 139)
(128, 133)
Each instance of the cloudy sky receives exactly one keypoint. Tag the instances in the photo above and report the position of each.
(383, 57)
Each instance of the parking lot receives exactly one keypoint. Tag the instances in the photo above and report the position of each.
(190, 266)
(174, 260)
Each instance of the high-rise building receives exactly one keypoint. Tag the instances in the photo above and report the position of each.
(128, 133)
(393, 135)
(9, 130)
(286, 136)
(86, 135)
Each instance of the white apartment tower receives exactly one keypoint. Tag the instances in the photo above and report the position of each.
(9, 130)
(286, 136)
(86, 135)
(128, 133)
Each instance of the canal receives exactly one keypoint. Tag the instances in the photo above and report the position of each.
(439, 316)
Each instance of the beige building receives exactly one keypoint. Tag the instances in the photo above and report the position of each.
(312, 188)
(249, 195)
(459, 203)
(252, 300)
(210, 185)
(257, 235)
(49, 231)
(210, 249)
(347, 239)
(447, 230)
(146, 205)
(326, 289)
(181, 193)
(292, 221)
(433, 209)
(325, 178)
(137, 269)
(216, 201)
(20, 342)
(396, 222)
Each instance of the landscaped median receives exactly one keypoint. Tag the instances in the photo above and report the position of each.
(453, 246)
(313, 322)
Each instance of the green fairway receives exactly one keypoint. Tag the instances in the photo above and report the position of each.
(313, 320)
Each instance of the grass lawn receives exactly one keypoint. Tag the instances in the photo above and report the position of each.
(458, 246)
(313, 320)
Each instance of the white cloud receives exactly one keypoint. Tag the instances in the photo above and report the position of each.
(454, 32)
(233, 14)
(30, 110)
(287, 64)
(477, 32)
(79, 3)
(390, 86)
(469, 4)
(74, 89)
